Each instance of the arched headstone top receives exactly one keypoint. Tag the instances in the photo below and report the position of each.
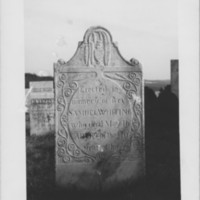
(99, 51)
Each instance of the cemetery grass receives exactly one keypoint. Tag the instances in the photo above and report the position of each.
(162, 169)
(40, 166)
(41, 173)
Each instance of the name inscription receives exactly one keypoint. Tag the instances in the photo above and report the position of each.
(98, 113)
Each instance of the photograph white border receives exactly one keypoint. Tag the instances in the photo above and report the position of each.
(12, 93)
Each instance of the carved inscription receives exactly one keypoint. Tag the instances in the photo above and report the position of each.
(97, 116)
(42, 115)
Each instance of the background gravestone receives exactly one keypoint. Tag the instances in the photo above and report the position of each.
(174, 77)
(42, 114)
(99, 117)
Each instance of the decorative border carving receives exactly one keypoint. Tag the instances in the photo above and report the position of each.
(67, 149)
(130, 81)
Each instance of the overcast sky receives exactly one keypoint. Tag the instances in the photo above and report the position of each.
(146, 30)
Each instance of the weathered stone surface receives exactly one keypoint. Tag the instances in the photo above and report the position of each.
(99, 116)
(41, 107)
(174, 77)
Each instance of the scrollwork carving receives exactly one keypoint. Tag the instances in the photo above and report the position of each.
(71, 147)
(133, 77)
(60, 107)
(138, 113)
(66, 159)
(60, 100)
(64, 118)
(130, 94)
(61, 103)
(135, 125)
(77, 152)
(60, 84)
(130, 82)
(73, 85)
(68, 92)
(127, 85)
(63, 77)
(61, 142)
(134, 62)
(61, 152)
(67, 148)
(61, 80)
(62, 133)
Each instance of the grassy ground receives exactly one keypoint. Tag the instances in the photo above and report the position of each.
(40, 166)
(162, 168)
(162, 157)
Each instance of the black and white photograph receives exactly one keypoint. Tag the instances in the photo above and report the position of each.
(102, 101)
(102, 122)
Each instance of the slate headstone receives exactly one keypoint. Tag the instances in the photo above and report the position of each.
(99, 116)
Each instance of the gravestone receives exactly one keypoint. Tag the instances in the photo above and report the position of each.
(174, 77)
(41, 108)
(99, 117)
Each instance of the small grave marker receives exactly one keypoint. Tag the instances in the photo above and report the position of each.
(41, 101)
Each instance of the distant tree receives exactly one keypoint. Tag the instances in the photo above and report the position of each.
(150, 105)
(168, 107)
(33, 77)
(162, 141)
